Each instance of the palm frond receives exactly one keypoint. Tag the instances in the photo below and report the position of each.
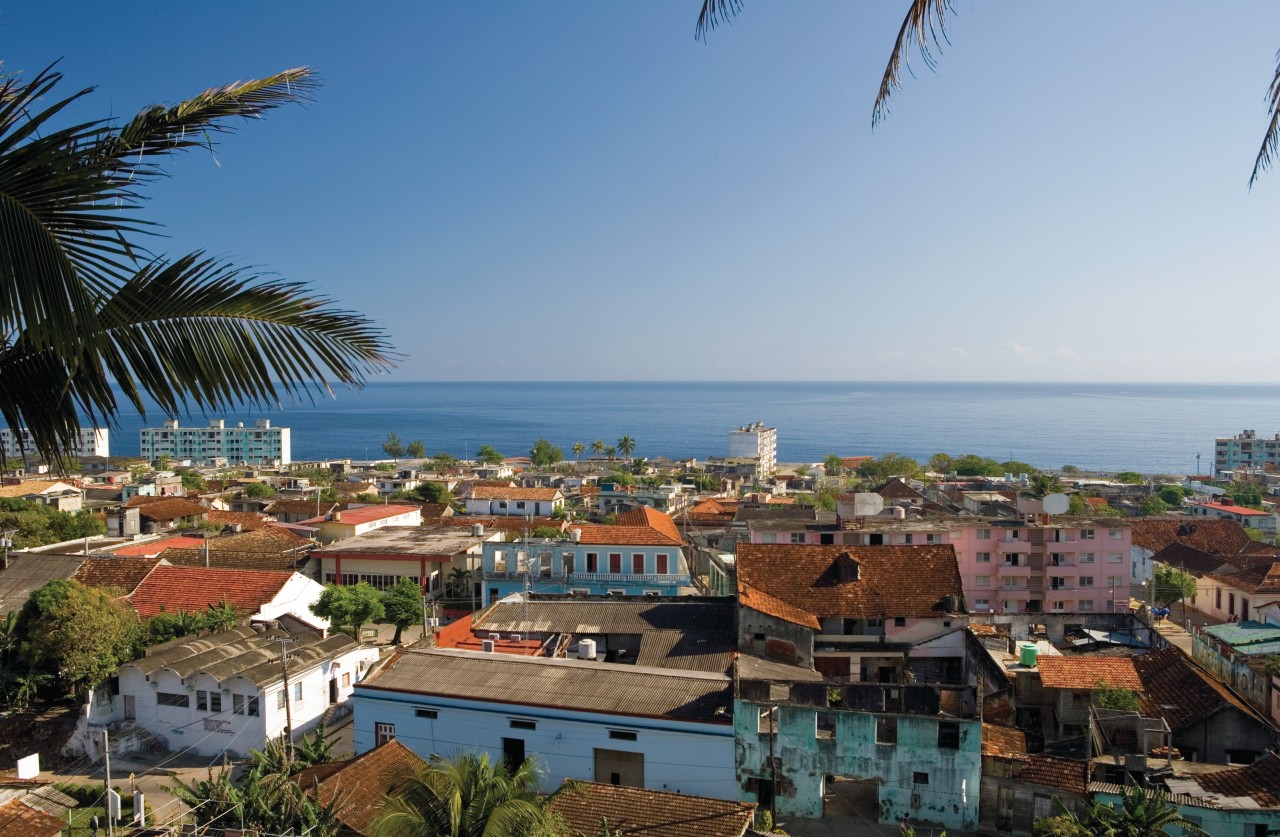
(1271, 141)
(713, 13)
(926, 25)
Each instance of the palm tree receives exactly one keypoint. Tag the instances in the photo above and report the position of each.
(1042, 485)
(578, 449)
(467, 796)
(1142, 813)
(610, 451)
(83, 304)
(597, 447)
(925, 26)
(625, 446)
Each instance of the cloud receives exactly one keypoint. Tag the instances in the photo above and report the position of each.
(1022, 352)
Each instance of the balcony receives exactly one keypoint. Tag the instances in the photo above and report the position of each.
(625, 578)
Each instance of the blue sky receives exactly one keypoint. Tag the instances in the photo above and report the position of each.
(582, 191)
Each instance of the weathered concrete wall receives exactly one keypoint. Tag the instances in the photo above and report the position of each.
(932, 784)
(774, 639)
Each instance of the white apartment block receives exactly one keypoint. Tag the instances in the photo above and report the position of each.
(755, 441)
(90, 441)
(1245, 452)
(218, 444)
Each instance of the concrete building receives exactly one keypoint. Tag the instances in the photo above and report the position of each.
(755, 441)
(1245, 452)
(225, 692)
(520, 502)
(359, 520)
(1224, 509)
(90, 441)
(381, 558)
(655, 728)
(217, 444)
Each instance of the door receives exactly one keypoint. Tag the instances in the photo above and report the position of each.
(513, 753)
(130, 714)
(618, 767)
(333, 691)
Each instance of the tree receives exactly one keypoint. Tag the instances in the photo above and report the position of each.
(972, 465)
(1172, 495)
(1245, 494)
(1042, 485)
(1070, 470)
(626, 446)
(350, 604)
(37, 524)
(597, 447)
(610, 451)
(489, 456)
(1253, 534)
(544, 453)
(832, 464)
(889, 465)
(443, 461)
(78, 634)
(468, 796)
(1015, 467)
(941, 463)
(415, 449)
(433, 492)
(578, 450)
(260, 490)
(402, 605)
(85, 305)
(1115, 697)
(1170, 585)
(393, 447)
(1153, 506)
(1130, 478)
(925, 26)
(192, 481)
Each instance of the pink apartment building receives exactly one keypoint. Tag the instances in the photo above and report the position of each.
(1039, 564)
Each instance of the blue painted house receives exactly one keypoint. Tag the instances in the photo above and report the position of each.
(641, 555)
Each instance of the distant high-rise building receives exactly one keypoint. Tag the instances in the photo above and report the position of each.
(1246, 452)
(755, 441)
(90, 441)
(218, 444)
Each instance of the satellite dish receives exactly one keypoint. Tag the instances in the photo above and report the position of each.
(866, 504)
(1056, 504)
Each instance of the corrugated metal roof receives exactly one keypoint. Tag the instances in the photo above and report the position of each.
(26, 572)
(242, 652)
(687, 650)
(605, 617)
(560, 684)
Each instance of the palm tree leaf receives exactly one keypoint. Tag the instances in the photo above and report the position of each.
(1271, 140)
(712, 14)
(926, 25)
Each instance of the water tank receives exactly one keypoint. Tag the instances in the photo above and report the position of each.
(486, 646)
(477, 530)
(899, 513)
(586, 649)
(1027, 653)
(575, 535)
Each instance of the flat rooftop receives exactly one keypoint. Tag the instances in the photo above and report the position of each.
(406, 540)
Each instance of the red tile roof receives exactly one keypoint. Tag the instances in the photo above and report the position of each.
(761, 601)
(1181, 692)
(1216, 536)
(248, 521)
(1003, 741)
(641, 527)
(156, 547)
(1064, 774)
(1258, 579)
(652, 518)
(1085, 673)
(628, 810)
(487, 492)
(195, 588)
(368, 514)
(21, 820)
(123, 574)
(911, 581)
(1243, 511)
(359, 786)
(1260, 781)
(172, 508)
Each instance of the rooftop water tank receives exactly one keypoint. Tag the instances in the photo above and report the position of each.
(1027, 653)
(586, 649)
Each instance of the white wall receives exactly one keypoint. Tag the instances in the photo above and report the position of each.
(296, 598)
(682, 757)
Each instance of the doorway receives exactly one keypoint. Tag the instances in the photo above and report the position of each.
(333, 691)
(513, 753)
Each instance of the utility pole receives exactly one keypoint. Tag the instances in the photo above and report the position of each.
(288, 698)
(5, 543)
(106, 781)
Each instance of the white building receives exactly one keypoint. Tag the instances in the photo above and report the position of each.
(520, 502)
(755, 441)
(662, 729)
(225, 693)
(90, 441)
(218, 444)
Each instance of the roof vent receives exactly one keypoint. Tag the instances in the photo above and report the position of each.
(486, 646)
(847, 567)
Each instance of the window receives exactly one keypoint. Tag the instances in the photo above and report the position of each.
(919, 778)
(172, 699)
(660, 563)
(297, 692)
(1057, 582)
(1115, 557)
(982, 581)
(984, 557)
(1011, 559)
(797, 537)
(1086, 557)
(1231, 603)
(1086, 534)
(1011, 583)
(424, 712)
(252, 708)
(280, 699)
(982, 604)
(1086, 605)
(899, 621)
(1059, 606)
(623, 735)
(382, 733)
(593, 562)
(202, 701)
(931, 539)
(519, 723)
(237, 704)
(984, 534)
(520, 504)
(886, 729)
(637, 563)
(1086, 581)
(767, 720)
(499, 562)
(566, 562)
(615, 562)
(1114, 534)
(1217, 598)
(948, 735)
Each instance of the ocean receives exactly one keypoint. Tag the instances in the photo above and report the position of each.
(1152, 428)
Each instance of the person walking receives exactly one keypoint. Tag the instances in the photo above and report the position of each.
(904, 824)
(93, 826)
